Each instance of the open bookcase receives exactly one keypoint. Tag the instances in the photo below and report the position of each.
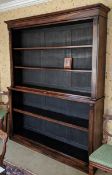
(57, 89)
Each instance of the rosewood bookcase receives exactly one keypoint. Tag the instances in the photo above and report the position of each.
(57, 110)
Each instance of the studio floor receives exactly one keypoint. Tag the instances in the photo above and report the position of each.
(37, 163)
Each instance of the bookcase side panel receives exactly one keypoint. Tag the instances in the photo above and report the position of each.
(98, 124)
(101, 57)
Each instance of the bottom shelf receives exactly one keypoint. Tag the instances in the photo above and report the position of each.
(63, 152)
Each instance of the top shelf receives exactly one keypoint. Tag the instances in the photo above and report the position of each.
(53, 47)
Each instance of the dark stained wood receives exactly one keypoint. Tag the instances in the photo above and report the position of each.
(51, 153)
(42, 68)
(10, 117)
(91, 128)
(60, 95)
(98, 123)
(60, 16)
(50, 120)
(95, 15)
(96, 165)
(11, 58)
(101, 57)
(91, 170)
(53, 47)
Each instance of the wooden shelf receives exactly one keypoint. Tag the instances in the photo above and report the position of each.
(61, 119)
(59, 146)
(45, 68)
(52, 47)
(53, 153)
(52, 93)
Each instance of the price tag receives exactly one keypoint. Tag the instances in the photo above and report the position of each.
(68, 63)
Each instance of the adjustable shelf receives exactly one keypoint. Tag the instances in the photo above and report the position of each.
(69, 121)
(45, 68)
(53, 47)
(67, 139)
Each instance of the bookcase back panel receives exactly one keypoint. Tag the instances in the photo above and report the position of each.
(41, 58)
(68, 108)
(82, 34)
(81, 58)
(27, 58)
(77, 33)
(64, 80)
(64, 134)
(27, 38)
